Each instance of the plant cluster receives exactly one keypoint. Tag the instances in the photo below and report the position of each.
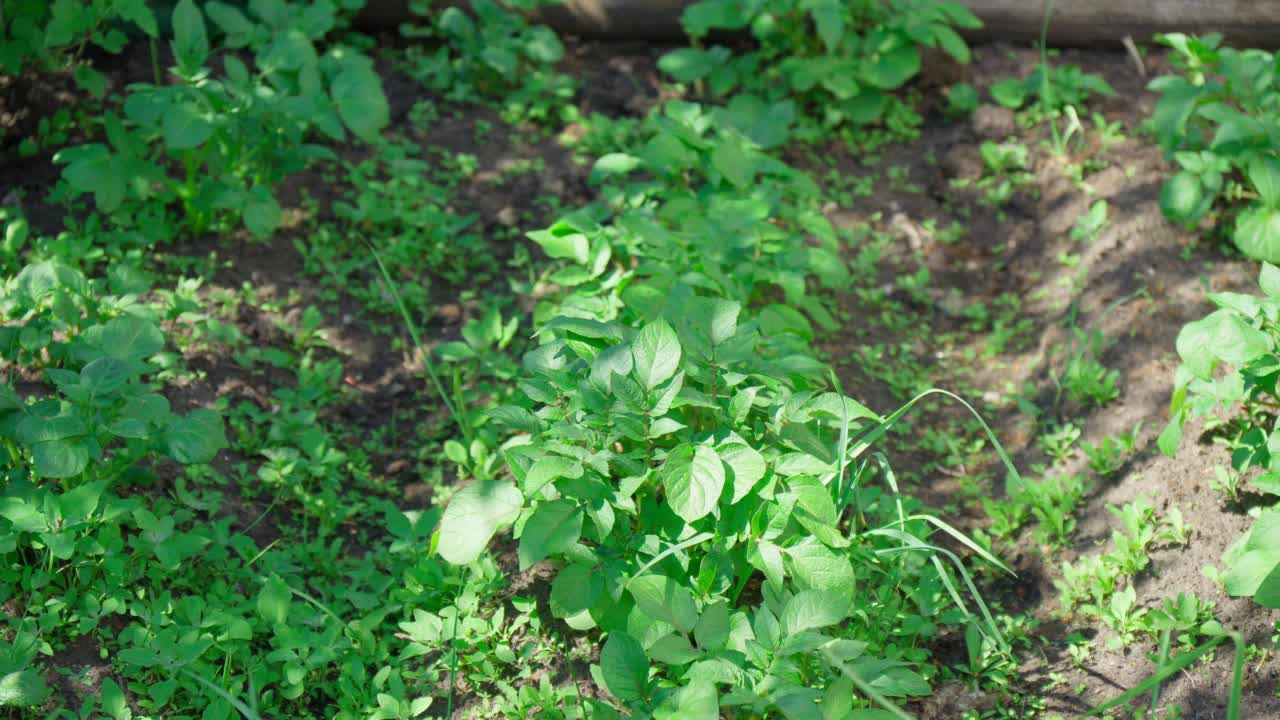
(1227, 379)
(231, 136)
(491, 51)
(680, 458)
(1096, 585)
(836, 63)
(1217, 118)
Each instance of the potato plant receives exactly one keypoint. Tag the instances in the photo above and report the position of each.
(1217, 119)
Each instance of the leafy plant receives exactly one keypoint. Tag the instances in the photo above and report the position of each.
(491, 51)
(1084, 378)
(1052, 501)
(1050, 89)
(234, 136)
(679, 446)
(1229, 360)
(40, 35)
(1089, 224)
(1217, 119)
(962, 99)
(839, 60)
(1059, 442)
(1108, 456)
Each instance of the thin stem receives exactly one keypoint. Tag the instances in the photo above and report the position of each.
(413, 333)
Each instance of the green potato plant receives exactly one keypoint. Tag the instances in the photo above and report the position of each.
(42, 35)
(1217, 119)
(1229, 361)
(234, 135)
(838, 61)
(492, 51)
(681, 461)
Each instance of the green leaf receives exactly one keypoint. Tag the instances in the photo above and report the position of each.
(1269, 280)
(693, 480)
(238, 29)
(1254, 558)
(655, 354)
(137, 12)
(662, 598)
(697, 701)
(951, 42)
(113, 700)
(818, 567)
(829, 20)
(1222, 335)
(1010, 93)
(687, 65)
(549, 469)
(22, 688)
(184, 126)
(190, 39)
(261, 212)
(129, 338)
(473, 516)
(746, 465)
(891, 70)
(1258, 233)
(274, 600)
(612, 164)
(732, 161)
(553, 528)
(625, 667)
(1264, 173)
(575, 590)
(357, 94)
(1182, 197)
(91, 81)
(60, 458)
(811, 610)
(196, 438)
(712, 630)
(563, 240)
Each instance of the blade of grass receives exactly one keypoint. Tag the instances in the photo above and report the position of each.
(866, 688)
(1178, 664)
(245, 711)
(417, 338)
(875, 433)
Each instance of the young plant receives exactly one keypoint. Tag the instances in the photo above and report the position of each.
(1059, 441)
(1107, 457)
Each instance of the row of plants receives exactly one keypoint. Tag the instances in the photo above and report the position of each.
(1216, 119)
(719, 518)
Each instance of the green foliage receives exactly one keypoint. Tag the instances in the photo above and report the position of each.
(1107, 457)
(1084, 378)
(962, 99)
(1217, 119)
(43, 35)
(1227, 377)
(839, 61)
(1052, 91)
(1089, 224)
(677, 440)
(235, 135)
(491, 51)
